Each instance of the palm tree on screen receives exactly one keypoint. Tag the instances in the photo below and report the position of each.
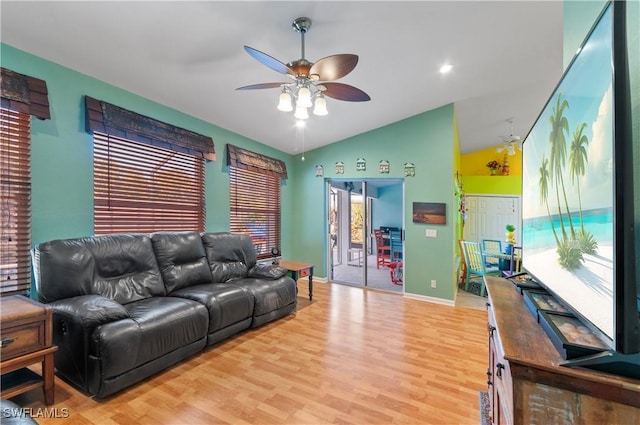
(543, 185)
(559, 126)
(578, 161)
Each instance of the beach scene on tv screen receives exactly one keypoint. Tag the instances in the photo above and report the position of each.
(568, 193)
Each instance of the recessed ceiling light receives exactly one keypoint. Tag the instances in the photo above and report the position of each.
(445, 68)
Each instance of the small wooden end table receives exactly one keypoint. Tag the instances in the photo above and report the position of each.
(26, 331)
(298, 271)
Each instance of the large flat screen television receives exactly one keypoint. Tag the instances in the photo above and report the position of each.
(578, 197)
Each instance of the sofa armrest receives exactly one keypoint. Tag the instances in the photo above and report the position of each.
(89, 310)
(267, 271)
(74, 321)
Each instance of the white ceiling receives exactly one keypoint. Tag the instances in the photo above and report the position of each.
(507, 58)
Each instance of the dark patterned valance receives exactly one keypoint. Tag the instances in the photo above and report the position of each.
(25, 94)
(242, 158)
(113, 120)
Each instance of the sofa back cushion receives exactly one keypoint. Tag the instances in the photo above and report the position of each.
(230, 255)
(121, 267)
(181, 259)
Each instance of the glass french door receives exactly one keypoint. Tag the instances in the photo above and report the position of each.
(347, 232)
(354, 209)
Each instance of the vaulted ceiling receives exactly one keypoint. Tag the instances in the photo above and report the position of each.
(506, 57)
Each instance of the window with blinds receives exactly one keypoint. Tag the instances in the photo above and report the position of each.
(15, 205)
(144, 188)
(255, 208)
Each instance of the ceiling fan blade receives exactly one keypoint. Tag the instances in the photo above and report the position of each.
(334, 67)
(261, 86)
(344, 92)
(269, 61)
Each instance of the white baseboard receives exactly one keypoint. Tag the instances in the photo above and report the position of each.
(450, 303)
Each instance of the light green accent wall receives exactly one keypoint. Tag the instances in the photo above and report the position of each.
(578, 18)
(494, 185)
(62, 152)
(427, 140)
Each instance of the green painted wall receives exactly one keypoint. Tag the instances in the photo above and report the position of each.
(494, 185)
(62, 164)
(427, 140)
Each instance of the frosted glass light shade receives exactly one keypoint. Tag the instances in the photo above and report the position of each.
(320, 107)
(301, 113)
(285, 102)
(304, 97)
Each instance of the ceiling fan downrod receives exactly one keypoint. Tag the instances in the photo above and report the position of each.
(301, 25)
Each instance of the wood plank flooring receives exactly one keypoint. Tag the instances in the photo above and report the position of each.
(352, 356)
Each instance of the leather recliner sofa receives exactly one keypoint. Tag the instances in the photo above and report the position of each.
(126, 306)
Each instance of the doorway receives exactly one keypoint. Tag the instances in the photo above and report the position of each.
(355, 209)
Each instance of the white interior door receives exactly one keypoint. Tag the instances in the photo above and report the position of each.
(487, 217)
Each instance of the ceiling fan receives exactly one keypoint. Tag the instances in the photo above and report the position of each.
(511, 142)
(310, 81)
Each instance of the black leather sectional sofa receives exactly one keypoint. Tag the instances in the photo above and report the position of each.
(126, 306)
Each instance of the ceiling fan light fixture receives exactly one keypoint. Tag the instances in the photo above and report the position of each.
(301, 113)
(320, 107)
(312, 81)
(304, 97)
(284, 104)
(510, 143)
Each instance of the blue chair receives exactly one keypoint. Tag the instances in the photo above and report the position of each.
(491, 245)
(515, 263)
(476, 266)
(395, 242)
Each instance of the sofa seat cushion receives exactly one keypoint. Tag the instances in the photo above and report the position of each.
(269, 295)
(156, 326)
(227, 304)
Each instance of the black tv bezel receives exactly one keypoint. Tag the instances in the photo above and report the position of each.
(627, 325)
(626, 338)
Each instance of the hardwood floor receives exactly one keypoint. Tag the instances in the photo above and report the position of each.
(349, 357)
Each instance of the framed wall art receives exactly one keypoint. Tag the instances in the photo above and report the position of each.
(430, 213)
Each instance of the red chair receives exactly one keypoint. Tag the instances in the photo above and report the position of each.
(383, 252)
(395, 268)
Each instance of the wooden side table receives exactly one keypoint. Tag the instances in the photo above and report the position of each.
(298, 271)
(26, 332)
